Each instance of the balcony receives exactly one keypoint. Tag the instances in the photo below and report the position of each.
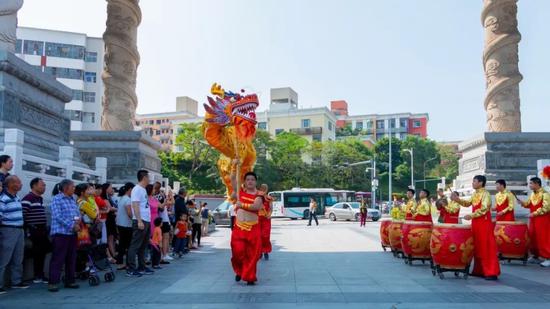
(307, 131)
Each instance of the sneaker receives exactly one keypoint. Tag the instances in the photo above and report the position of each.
(164, 262)
(168, 258)
(53, 288)
(38, 280)
(147, 271)
(266, 256)
(237, 278)
(491, 278)
(157, 267)
(3, 291)
(546, 263)
(21, 286)
(533, 260)
(131, 273)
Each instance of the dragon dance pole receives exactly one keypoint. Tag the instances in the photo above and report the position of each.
(238, 188)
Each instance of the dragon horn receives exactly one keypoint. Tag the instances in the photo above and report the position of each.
(209, 109)
(217, 90)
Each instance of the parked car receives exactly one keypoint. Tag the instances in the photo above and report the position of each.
(349, 211)
(221, 214)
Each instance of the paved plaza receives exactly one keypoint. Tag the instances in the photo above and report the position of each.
(330, 266)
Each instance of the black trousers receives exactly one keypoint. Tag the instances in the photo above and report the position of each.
(124, 240)
(312, 215)
(197, 232)
(41, 245)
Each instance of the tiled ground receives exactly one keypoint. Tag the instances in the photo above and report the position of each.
(330, 266)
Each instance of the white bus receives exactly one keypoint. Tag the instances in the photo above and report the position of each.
(295, 203)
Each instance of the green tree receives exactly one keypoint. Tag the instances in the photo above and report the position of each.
(448, 165)
(287, 155)
(195, 165)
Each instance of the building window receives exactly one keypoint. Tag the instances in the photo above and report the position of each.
(316, 137)
(73, 115)
(279, 131)
(158, 121)
(90, 57)
(403, 122)
(359, 125)
(64, 50)
(262, 125)
(77, 95)
(392, 123)
(33, 47)
(306, 123)
(64, 72)
(379, 136)
(157, 132)
(369, 124)
(90, 77)
(19, 46)
(88, 97)
(88, 117)
(330, 126)
(380, 124)
(417, 124)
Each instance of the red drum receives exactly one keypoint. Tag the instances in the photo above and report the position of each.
(512, 239)
(385, 233)
(416, 239)
(395, 236)
(452, 246)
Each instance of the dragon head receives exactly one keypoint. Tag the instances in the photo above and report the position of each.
(232, 108)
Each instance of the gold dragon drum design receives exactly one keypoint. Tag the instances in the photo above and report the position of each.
(230, 128)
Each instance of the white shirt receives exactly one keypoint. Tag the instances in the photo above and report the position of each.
(139, 195)
(232, 210)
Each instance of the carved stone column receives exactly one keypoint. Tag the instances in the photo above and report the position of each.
(500, 62)
(121, 62)
(8, 23)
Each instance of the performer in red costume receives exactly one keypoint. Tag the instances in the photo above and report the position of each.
(505, 202)
(485, 245)
(539, 222)
(246, 242)
(265, 221)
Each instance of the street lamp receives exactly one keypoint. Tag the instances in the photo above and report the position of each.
(412, 166)
(425, 169)
(374, 181)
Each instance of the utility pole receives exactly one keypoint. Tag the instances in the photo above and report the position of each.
(411, 151)
(390, 169)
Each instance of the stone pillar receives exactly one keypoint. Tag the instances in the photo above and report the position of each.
(500, 62)
(121, 62)
(8, 23)
(13, 147)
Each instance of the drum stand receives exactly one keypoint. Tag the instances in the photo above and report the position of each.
(440, 270)
(513, 258)
(397, 253)
(409, 260)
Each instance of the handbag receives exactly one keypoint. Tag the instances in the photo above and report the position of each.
(83, 235)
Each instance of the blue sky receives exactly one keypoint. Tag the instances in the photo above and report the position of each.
(381, 56)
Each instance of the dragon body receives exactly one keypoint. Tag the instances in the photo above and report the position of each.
(230, 127)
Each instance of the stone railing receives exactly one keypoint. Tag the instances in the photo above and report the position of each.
(28, 166)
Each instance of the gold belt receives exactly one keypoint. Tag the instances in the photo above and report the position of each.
(246, 225)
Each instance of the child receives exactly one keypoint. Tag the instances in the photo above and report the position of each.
(181, 236)
(156, 244)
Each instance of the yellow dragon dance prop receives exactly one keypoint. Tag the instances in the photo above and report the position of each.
(230, 128)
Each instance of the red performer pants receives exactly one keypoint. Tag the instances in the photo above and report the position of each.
(485, 248)
(246, 250)
(539, 232)
(265, 228)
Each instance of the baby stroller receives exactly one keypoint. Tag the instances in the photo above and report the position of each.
(92, 262)
(92, 257)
